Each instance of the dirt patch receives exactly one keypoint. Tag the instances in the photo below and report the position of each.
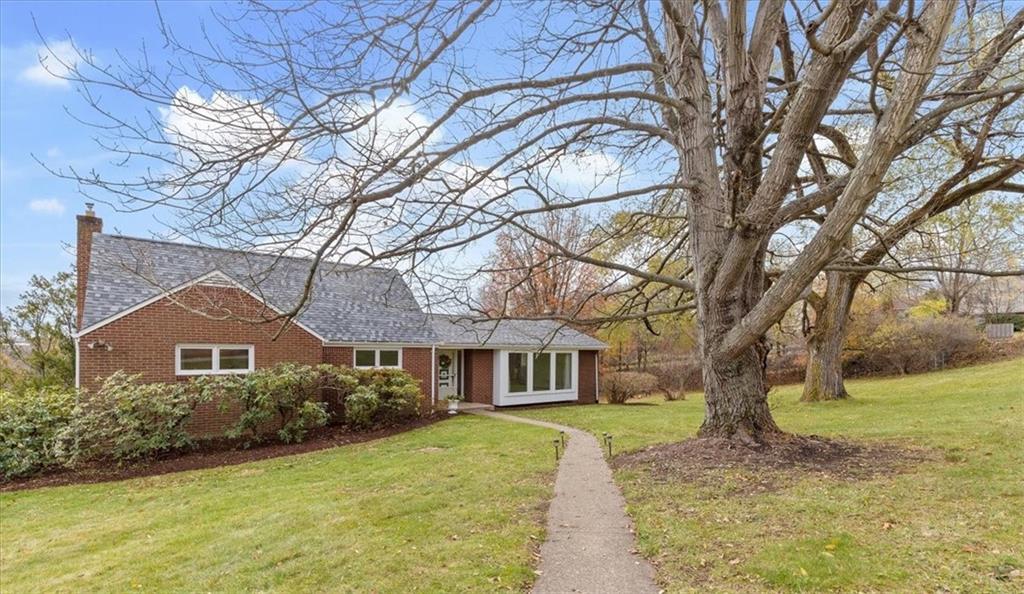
(739, 469)
(211, 454)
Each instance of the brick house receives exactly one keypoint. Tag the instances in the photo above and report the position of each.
(170, 311)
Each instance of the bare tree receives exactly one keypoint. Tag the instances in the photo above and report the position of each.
(371, 132)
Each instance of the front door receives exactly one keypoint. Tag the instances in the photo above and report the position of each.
(447, 373)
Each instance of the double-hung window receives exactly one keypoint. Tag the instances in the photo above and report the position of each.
(539, 372)
(377, 358)
(213, 359)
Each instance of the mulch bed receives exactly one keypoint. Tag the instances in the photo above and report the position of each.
(211, 454)
(749, 470)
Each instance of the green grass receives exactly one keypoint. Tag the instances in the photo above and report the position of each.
(955, 524)
(457, 506)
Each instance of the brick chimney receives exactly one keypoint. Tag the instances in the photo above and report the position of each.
(88, 224)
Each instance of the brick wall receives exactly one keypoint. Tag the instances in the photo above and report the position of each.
(338, 356)
(587, 386)
(144, 342)
(416, 360)
(478, 370)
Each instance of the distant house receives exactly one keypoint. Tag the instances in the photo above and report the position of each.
(162, 309)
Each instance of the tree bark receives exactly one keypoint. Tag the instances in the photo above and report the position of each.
(736, 399)
(823, 379)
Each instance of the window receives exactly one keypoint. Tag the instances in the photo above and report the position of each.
(517, 372)
(539, 372)
(563, 371)
(209, 359)
(366, 358)
(378, 358)
(388, 358)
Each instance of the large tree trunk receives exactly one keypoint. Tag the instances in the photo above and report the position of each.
(735, 389)
(823, 379)
(736, 399)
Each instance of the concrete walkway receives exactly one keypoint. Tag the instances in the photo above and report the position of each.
(590, 544)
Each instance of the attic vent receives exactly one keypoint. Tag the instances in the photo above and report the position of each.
(217, 279)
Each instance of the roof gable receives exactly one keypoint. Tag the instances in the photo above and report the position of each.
(348, 304)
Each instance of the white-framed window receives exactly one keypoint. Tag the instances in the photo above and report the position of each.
(213, 359)
(537, 373)
(366, 358)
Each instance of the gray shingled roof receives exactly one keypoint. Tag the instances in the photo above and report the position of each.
(460, 330)
(349, 304)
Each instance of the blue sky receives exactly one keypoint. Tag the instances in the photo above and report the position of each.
(37, 210)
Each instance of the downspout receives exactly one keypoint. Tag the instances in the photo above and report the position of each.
(78, 364)
(433, 376)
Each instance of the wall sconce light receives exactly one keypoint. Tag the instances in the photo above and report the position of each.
(99, 344)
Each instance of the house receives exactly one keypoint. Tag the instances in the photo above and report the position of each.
(171, 311)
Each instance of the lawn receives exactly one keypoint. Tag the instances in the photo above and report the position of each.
(457, 506)
(953, 524)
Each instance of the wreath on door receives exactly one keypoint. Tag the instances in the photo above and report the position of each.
(444, 361)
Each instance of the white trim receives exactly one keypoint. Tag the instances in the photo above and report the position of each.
(376, 358)
(462, 373)
(78, 365)
(215, 275)
(433, 377)
(519, 347)
(502, 395)
(215, 354)
(378, 345)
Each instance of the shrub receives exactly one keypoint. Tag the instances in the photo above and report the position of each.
(30, 423)
(399, 395)
(672, 378)
(361, 408)
(917, 344)
(128, 420)
(620, 386)
(285, 396)
(384, 397)
(337, 384)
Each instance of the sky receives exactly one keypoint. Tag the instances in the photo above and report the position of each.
(37, 124)
(39, 129)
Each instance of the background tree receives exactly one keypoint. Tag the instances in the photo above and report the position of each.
(526, 277)
(955, 244)
(37, 334)
(401, 133)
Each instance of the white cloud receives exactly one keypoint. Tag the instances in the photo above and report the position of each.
(50, 206)
(223, 125)
(53, 152)
(587, 171)
(53, 61)
(392, 130)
